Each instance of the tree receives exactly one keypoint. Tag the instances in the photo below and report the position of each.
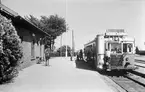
(53, 25)
(62, 50)
(10, 50)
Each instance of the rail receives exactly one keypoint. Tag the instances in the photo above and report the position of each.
(129, 82)
(140, 63)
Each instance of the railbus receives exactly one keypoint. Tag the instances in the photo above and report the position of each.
(110, 51)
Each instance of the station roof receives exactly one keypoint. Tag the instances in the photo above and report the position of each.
(19, 20)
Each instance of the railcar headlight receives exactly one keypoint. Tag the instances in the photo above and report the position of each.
(127, 59)
(107, 63)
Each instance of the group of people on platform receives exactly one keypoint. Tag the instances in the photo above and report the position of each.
(48, 51)
(80, 55)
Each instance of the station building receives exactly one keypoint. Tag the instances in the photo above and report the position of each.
(31, 36)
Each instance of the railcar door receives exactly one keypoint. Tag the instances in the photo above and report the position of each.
(116, 61)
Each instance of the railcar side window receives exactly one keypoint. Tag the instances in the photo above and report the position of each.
(124, 47)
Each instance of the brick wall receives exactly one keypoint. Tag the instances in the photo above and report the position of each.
(27, 41)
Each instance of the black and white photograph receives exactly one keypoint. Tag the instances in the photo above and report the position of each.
(72, 45)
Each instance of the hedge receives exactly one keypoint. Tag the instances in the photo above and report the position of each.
(10, 50)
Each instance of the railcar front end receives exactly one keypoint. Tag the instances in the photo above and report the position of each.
(112, 50)
(121, 56)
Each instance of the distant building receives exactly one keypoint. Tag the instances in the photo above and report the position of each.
(31, 36)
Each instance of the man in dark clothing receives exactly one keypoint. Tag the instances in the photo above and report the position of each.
(81, 55)
(47, 56)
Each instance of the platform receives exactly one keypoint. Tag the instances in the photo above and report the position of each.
(62, 75)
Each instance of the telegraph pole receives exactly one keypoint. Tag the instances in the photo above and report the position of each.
(61, 45)
(73, 43)
(66, 45)
(72, 52)
(66, 28)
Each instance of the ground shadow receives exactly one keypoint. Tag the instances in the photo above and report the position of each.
(46, 66)
(114, 73)
(81, 64)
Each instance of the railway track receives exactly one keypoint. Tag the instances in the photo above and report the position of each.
(140, 63)
(129, 82)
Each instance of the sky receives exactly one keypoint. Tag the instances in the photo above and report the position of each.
(87, 18)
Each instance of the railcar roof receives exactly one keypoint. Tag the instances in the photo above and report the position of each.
(89, 43)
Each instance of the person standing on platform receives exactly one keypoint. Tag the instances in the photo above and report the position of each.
(47, 56)
(81, 54)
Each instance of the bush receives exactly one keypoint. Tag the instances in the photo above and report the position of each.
(10, 50)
